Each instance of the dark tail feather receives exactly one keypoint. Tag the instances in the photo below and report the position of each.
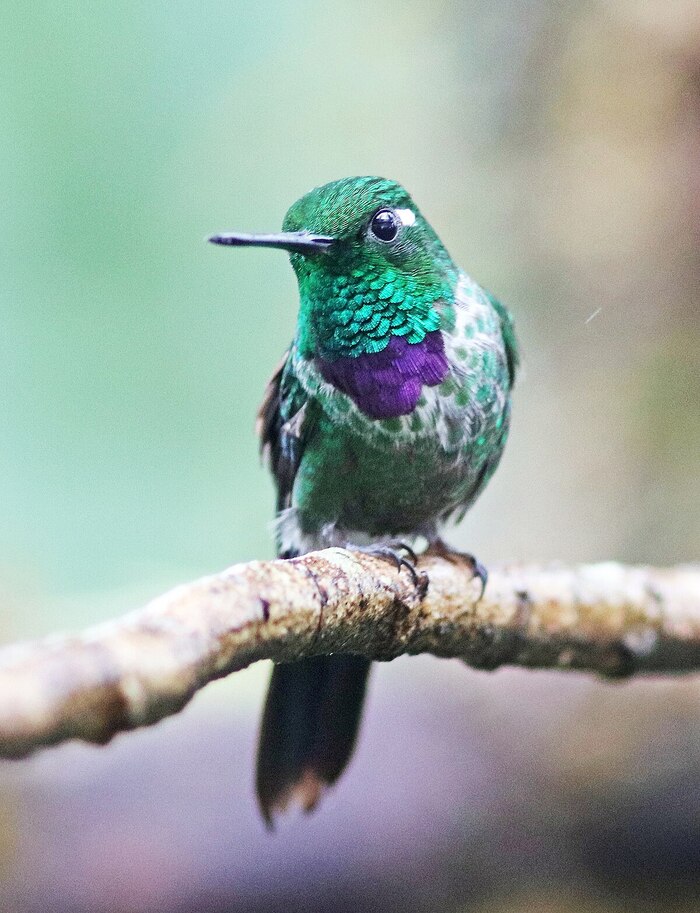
(309, 726)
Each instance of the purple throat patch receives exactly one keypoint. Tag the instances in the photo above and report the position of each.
(387, 384)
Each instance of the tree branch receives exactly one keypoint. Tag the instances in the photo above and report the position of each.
(134, 671)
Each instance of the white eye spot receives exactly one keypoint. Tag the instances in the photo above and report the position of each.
(407, 216)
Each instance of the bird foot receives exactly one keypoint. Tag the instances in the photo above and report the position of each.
(400, 555)
(440, 549)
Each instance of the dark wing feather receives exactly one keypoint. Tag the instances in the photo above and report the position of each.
(283, 424)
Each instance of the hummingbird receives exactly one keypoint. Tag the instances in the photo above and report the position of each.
(385, 418)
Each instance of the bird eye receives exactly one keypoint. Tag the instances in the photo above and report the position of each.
(385, 225)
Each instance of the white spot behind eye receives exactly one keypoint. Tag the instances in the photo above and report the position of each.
(407, 216)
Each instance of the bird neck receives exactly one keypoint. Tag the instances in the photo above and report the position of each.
(353, 312)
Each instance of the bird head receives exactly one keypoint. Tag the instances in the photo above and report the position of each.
(369, 267)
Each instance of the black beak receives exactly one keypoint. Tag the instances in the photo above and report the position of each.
(301, 242)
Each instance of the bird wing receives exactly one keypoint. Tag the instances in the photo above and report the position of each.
(284, 422)
(508, 332)
(510, 343)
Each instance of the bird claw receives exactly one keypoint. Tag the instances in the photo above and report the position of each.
(402, 546)
(392, 552)
(441, 550)
(478, 570)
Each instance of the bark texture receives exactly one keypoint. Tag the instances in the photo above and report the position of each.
(605, 618)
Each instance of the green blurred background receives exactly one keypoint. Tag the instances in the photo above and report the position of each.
(555, 146)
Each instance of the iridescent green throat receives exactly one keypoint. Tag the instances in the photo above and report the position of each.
(356, 312)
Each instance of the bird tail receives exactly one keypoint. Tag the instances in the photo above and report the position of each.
(309, 726)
